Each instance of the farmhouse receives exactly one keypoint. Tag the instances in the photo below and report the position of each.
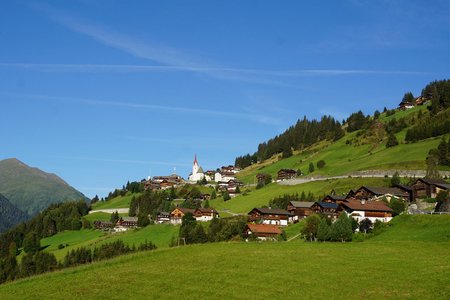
(178, 213)
(126, 223)
(370, 193)
(284, 174)
(104, 225)
(163, 217)
(372, 210)
(328, 209)
(334, 199)
(300, 209)
(262, 231)
(205, 214)
(272, 216)
(424, 187)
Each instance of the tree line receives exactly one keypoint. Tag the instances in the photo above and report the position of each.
(303, 134)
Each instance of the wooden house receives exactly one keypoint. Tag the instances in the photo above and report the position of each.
(334, 199)
(205, 214)
(262, 231)
(163, 217)
(272, 216)
(300, 209)
(104, 225)
(261, 178)
(328, 209)
(178, 213)
(284, 174)
(127, 222)
(372, 210)
(370, 193)
(424, 187)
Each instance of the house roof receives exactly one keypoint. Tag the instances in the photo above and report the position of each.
(206, 210)
(328, 205)
(336, 197)
(288, 171)
(200, 170)
(130, 219)
(367, 205)
(272, 211)
(383, 190)
(264, 228)
(301, 204)
(437, 182)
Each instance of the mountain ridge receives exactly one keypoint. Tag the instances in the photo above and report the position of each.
(31, 189)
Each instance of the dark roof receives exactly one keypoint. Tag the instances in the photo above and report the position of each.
(300, 204)
(272, 211)
(384, 190)
(288, 171)
(327, 205)
(264, 228)
(367, 205)
(404, 187)
(206, 210)
(437, 182)
(336, 197)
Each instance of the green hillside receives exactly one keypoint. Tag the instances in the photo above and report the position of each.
(9, 214)
(356, 151)
(117, 202)
(388, 266)
(160, 235)
(32, 190)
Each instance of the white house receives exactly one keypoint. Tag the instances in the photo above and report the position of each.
(372, 210)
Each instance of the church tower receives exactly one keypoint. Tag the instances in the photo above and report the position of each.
(195, 166)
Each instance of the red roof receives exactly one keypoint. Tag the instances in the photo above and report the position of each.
(367, 205)
(264, 228)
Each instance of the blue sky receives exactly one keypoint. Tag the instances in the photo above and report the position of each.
(102, 92)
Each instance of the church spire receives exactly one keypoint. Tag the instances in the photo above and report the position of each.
(195, 159)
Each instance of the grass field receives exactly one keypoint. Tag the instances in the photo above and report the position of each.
(160, 235)
(395, 264)
(117, 202)
(342, 158)
(257, 198)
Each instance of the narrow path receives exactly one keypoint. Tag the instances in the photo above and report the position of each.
(111, 210)
(294, 237)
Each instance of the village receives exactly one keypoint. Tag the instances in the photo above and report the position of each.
(266, 223)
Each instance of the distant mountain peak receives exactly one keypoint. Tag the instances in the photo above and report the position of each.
(31, 189)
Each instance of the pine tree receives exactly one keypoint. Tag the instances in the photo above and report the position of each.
(323, 230)
(392, 141)
(341, 229)
(311, 167)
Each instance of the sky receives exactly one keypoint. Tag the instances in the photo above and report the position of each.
(101, 92)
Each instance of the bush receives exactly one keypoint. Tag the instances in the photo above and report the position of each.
(320, 164)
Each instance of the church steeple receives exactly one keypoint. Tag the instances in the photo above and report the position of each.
(195, 159)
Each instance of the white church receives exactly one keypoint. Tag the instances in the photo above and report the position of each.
(197, 171)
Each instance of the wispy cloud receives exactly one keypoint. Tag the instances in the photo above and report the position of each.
(159, 68)
(174, 60)
(124, 161)
(174, 109)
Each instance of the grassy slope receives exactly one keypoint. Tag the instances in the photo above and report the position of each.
(118, 202)
(257, 198)
(394, 266)
(160, 235)
(342, 158)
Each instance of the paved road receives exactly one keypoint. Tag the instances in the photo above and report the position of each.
(111, 210)
(365, 174)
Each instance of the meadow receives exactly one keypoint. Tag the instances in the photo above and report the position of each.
(409, 260)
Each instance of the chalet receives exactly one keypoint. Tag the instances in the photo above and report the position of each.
(261, 178)
(262, 232)
(163, 217)
(328, 209)
(300, 209)
(284, 174)
(334, 199)
(126, 223)
(205, 214)
(404, 105)
(104, 225)
(178, 213)
(425, 187)
(421, 100)
(230, 168)
(151, 185)
(370, 193)
(372, 210)
(171, 178)
(272, 216)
